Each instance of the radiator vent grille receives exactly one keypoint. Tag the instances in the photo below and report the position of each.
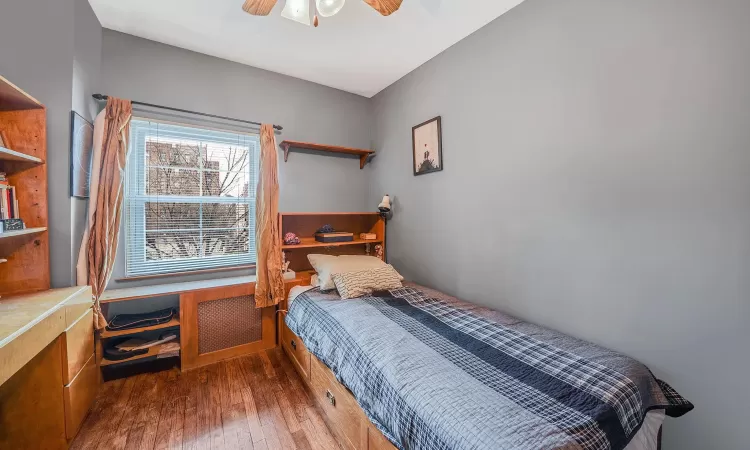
(227, 323)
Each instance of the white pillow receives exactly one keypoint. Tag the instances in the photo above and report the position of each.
(327, 265)
(361, 283)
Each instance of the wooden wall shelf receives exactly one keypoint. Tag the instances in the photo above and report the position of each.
(7, 154)
(25, 231)
(363, 154)
(312, 243)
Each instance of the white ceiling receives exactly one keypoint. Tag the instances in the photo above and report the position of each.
(357, 50)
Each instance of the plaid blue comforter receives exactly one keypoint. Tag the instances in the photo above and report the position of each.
(432, 372)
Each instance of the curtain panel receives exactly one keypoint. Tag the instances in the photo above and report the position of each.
(97, 255)
(269, 287)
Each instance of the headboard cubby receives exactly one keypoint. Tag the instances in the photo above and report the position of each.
(304, 225)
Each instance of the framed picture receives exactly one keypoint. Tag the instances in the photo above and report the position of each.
(81, 152)
(427, 142)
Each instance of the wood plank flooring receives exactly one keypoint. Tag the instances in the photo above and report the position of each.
(253, 402)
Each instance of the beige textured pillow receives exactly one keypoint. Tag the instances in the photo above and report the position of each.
(327, 265)
(364, 282)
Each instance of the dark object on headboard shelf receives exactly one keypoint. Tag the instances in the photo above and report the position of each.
(326, 229)
(337, 236)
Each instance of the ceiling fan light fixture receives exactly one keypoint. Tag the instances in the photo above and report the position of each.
(328, 8)
(297, 10)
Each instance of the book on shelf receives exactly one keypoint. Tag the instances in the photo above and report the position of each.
(10, 219)
(336, 236)
(8, 200)
(368, 236)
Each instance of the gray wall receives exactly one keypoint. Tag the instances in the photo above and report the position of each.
(597, 181)
(144, 70)
(36, 54)
(87, 56)
(87, 51)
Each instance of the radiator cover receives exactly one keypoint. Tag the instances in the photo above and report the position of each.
(227, 323)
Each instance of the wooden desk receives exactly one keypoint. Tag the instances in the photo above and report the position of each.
(48, 376)
(28, 323)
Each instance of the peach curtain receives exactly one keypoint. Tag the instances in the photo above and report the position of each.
(99, 247)
(269, 287)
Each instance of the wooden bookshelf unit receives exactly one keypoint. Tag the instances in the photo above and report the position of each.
(23, 123)
(304, 226)
(48, 376)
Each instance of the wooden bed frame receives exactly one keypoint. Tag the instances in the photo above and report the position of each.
(343, 415)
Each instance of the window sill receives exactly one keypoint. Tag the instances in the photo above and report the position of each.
(187, 273)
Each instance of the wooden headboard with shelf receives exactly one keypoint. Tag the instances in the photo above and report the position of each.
(304, 225)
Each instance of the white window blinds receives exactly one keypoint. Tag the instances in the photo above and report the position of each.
(189, 198)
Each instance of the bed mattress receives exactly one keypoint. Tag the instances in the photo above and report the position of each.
(433, 372)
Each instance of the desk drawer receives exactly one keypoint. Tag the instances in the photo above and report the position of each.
(79, 395)
(78, 345)
(77, 304)
(342, 412)
(296, 351)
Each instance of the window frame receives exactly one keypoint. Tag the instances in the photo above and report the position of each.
(135, 198)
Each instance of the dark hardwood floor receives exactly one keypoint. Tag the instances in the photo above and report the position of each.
(253, 402)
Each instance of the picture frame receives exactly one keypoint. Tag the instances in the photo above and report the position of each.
(427, 146)
(81, 154)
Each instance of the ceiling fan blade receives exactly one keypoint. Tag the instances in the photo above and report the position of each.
(385, 7)
(258, 7)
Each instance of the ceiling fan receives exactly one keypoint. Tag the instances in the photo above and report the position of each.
(299, 10)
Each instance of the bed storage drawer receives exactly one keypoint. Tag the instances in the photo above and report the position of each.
(79, 395)
(296, 351)
(78, 345)
(342, 412)
(376, 440)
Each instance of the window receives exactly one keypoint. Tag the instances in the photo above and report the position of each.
(189, 198)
